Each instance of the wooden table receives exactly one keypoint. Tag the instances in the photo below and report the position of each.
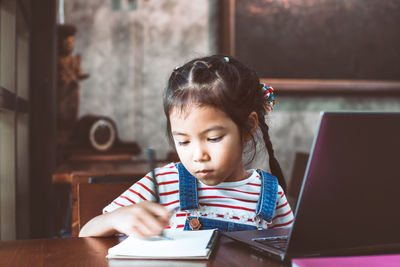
(90, 251)
(73, 173)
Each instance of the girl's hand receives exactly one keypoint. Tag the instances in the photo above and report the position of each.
(143, 219)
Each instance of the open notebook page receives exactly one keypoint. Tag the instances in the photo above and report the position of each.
(182, 245)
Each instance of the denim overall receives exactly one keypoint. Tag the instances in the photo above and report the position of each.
(265, 206)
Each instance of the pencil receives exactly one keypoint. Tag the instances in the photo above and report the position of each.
(150, 158)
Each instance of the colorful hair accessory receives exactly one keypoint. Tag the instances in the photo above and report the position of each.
(226, 59)
(269, 97)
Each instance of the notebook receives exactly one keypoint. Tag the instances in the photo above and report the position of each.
(350, 195)
(173, 245)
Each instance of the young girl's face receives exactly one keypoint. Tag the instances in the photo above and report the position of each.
(208, 143)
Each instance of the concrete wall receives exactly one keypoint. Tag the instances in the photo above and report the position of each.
(130, 55)
(295, 120)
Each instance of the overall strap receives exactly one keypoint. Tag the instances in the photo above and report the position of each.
(268, 196)
(187, 189)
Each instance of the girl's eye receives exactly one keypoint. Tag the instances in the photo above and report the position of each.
(183, 143)
(215, 139)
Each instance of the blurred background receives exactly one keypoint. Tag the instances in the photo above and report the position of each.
(81, 85)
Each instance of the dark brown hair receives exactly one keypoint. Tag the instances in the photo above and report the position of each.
(227, 84)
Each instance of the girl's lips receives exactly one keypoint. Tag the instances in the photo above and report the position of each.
(203, 172)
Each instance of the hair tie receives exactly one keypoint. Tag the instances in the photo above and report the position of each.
(269, 97)
(226, 59)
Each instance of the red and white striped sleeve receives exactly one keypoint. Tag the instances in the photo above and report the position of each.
(167, 181)
(283, 216)
(140, 191)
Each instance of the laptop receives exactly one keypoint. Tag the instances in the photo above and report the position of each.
(350, 196)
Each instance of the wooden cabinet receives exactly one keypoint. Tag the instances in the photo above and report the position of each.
(75, 173)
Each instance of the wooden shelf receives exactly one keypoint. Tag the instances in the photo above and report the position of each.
(333, 87)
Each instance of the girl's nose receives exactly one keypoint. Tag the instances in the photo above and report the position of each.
(200, 154)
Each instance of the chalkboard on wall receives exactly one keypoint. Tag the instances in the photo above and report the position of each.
(319, 39)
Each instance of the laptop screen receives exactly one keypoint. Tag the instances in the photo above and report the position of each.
(350, 195)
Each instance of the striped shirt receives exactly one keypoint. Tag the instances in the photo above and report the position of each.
(229, 201)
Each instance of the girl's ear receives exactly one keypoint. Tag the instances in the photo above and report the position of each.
(252, 121)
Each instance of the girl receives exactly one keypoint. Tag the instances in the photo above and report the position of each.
(214, 106)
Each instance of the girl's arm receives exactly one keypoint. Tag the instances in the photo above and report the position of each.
(142, 219)
(283, 216)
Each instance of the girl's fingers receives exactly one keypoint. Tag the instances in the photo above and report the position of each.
(140, 226)
(150, 222)
(158, 210)
(139, 232)
(143, 219)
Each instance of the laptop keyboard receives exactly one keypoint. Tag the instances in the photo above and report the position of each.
(275, 242)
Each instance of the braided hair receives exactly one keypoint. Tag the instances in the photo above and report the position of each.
(227, 84)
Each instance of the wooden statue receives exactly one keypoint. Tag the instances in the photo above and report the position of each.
(69, 73)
